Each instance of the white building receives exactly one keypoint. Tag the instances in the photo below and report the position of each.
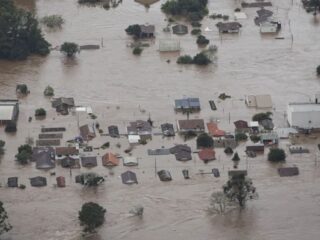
(304, 115)
(9, 110)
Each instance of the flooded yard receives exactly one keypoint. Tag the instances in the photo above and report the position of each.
(121, 87)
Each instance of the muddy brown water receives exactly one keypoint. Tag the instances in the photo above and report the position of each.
(120, 86)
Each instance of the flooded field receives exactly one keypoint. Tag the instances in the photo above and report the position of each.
(121, 87)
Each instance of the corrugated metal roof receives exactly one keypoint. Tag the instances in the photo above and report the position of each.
(6, 113)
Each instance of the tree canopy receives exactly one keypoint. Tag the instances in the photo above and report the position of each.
(134, 30)
(20, 34)
(276, 155)
(69, 48)
(204, 141)
(92, 215)
(24, 154)
(4, 224)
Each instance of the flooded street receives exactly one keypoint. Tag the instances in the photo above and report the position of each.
(121, 87)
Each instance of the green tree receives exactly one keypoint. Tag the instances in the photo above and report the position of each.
(92, 215)
(24, 154)
(201, 59)
(239, 189)
(22, 89)
(204, 141)
(137, 51)
(241, 137)
(185, 59)
(69, 48)
(276, 155)
(134, 30)
(20, 34)
(4, 224)
(40, 112)
(202, 40)
(48, 91)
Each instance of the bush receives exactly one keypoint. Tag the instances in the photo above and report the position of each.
(52, 21)
(202, 40)
(48, 91)
(185, 59)
(255, 138)
(261, 116)
(241, 137)
(91, 215)
(318, 70)
(11, 127)
(196, 31)
(137, 51)
(204, 141)
(69, 48)
(201, 59)
(40, 112)
(276, 155)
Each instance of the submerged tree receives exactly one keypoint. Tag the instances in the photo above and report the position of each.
(24, 154)
(219, 203)
(52, 21)
(69, 48)
(204, 141)
(239, 189)
(92, 215)
(4, 224)
(276, 155)
(20, 34)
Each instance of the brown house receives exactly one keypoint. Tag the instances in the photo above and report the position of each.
(110, 160)
(87, 133)
(195, 125)
(207, 154)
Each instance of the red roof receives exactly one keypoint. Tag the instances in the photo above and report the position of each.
(240, 124)
(207, 154)
(214, 130)
(110, 160)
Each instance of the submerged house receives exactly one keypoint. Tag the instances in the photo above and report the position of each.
(110, 160)
(68, 156)
(89, 162)
(62, 104)
(129, 177)
(288, 171)
(194, 125)
(140, 128)
(270, 27)
(180, 29)
(214, 130)
(228, 27)
(38, 181)
(167, 129)
(113, 131)
(61, 181)
(257, 147)
(44, 157)
(147, 31)
(9, 111)
(12, 182)
(87, 132)
(181, 152)
(207, 154)
(130, 161)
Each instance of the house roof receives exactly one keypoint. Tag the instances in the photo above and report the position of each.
(256, 4)
(38, 151)
(207, 154)
(149, 29)
(69, 162)
(61, 181)
(160, 151)
(180, 29)
(134, 139)
(12, 182)
(129, 177)
(113, 131)
(304, 107)
(288, 171)
(269, 136)
(214, 130)
(186, 103)
(110, 160)
(191, 124)
(167, 129)
(139, 127)
(90, 161)
(44, 161)
(228, 26)
(66, 151)
(241, 124)
(181, 152)
(86, 133)
(253, 124)
(6, 112)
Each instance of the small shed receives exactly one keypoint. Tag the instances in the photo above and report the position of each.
(180, 29)
(288, 171)
(87, 132)
(12, 182)
(207, 154)
(130, 161)
(134, 139)
(147, 31)
(164, 175)
(113, 131)
(38, 181)
(89, 162)
(61, 181)
(110, 160)
(298, 149)
(259, 147)
(181, 152)
(129, 177)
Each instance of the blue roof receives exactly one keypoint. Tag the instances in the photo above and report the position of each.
(187, 103)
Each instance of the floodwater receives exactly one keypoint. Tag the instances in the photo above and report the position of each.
(121, 87)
